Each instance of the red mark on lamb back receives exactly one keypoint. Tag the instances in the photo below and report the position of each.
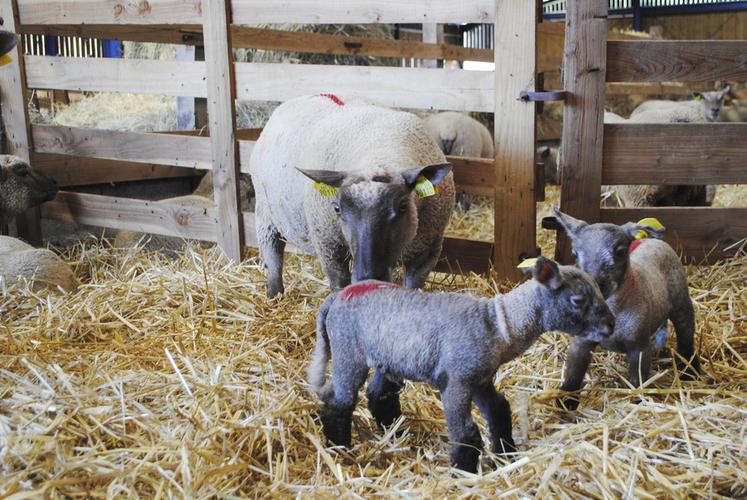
(333, 98)
(360, 289)
(634, 246)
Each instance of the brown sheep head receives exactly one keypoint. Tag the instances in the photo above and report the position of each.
(22, 187)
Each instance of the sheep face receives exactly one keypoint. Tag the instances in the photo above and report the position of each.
(22, 187)
(377, 214)
(711, 102)
(602, 250)
(573, 303)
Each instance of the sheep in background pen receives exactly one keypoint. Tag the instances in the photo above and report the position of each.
(22, 187)
(705, 107)
(246, 190)
(20, 261)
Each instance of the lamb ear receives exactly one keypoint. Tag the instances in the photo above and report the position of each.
(570, 224)
(546, 271)
(632, 228)
(697, 95)
(434, 173)
(724, 91)
(329, 177)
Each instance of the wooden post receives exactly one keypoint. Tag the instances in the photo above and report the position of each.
(221, 91)
(185, 105)
(432, 33)
(584, 72)
(15, 119)
(515, 62)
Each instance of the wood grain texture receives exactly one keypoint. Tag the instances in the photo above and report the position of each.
(180, 34)
(699, 234)
(681, 61)
(474, 175)
(362, 11)
(422, 88)
(81, 171)
(583, 114)
(110, 12)
(175, 78)
(222, 122)
(515, 210)
(461, 256)
(678, 153)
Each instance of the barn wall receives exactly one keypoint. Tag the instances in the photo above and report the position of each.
(716, 26)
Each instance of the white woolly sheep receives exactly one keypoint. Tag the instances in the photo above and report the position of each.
(21, 261)
(246, 190)
(458, 349)
(645, 285)
(705, 107)
(22, 187)
(366, 207)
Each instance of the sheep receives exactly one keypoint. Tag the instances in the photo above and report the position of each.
(550, 158)
(21, 188)
(737, 112)
(706, 107)
(455, 342)
(610, 117)
(644, 284)
(171, 246)
(365, 205)
(21, 261)
(246, 190)
(459, 134)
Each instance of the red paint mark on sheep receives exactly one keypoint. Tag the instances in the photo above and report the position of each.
(633, 246)
(361, 289)
(334, 99)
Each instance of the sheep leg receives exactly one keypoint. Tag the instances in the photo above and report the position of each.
(683, 319)
(497, 413)
(639, 365)
(383, 399)
(271, 248)
(417, 269)
(337, 411)
(576, 364)
(464, 435)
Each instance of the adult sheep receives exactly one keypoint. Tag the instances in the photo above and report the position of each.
(705, 107)
(22, 187)
(21, 261)
(365, 162)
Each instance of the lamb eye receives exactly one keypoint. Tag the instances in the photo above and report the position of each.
(578, 301)
(336, 207)
(620, 252)
(22, 172)
(402, 207)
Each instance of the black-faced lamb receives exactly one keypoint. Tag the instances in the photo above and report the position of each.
(363, 206)
(22, 187)
(644, 284)
(21, 261)
(454, 342)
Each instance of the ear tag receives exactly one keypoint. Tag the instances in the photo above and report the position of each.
(651, 222)
(325, 189)
(527, 263)
(5, 59)
(424, 188)
(698, 98)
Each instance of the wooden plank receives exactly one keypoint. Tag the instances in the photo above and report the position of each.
(110, 12)
(423, 88)
(185, 34)
(515, 211)
(134, 215)
(618, 88)
(362, 11)
(15, 119)
(474, 175)
(583, 114)
(678, 153)
(175, 78)
(242, 134)
(669, 60)
(222, 123)
(81, 171)
(700, 233)
(465, 256)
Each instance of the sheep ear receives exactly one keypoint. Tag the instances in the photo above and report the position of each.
(724, 91)
(637, 231)
(570, 224)
(328, 177)
(698, 95)
(434, 173)
(544, 152)
(546, 271)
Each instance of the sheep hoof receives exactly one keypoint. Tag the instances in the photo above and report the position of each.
(465, 457)
(337, 425)
(385, 409)
(505, 449)
(689, 371)
(568, 403)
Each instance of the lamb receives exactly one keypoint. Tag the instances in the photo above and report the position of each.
(171, 246)
(364, 205)
(644, 284)
(706, 107)
(737, 112)
(21, 261)
(455, 342)
(21, 188)
(550, 158)
(246, 190)
(459, 134)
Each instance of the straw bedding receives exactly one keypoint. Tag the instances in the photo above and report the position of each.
(177, 378)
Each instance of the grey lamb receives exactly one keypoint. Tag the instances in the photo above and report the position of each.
(644, 284)
(455, 342)
(22, 187)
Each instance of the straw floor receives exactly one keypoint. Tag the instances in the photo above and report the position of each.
(177, 378)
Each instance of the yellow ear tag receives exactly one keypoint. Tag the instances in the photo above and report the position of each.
(424, 188)
(527, 263)
(698, 98)
(325, 189)
(5, 59)
(651, 222)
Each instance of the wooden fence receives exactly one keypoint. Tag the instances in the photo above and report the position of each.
(510, 178)
(667, 154)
